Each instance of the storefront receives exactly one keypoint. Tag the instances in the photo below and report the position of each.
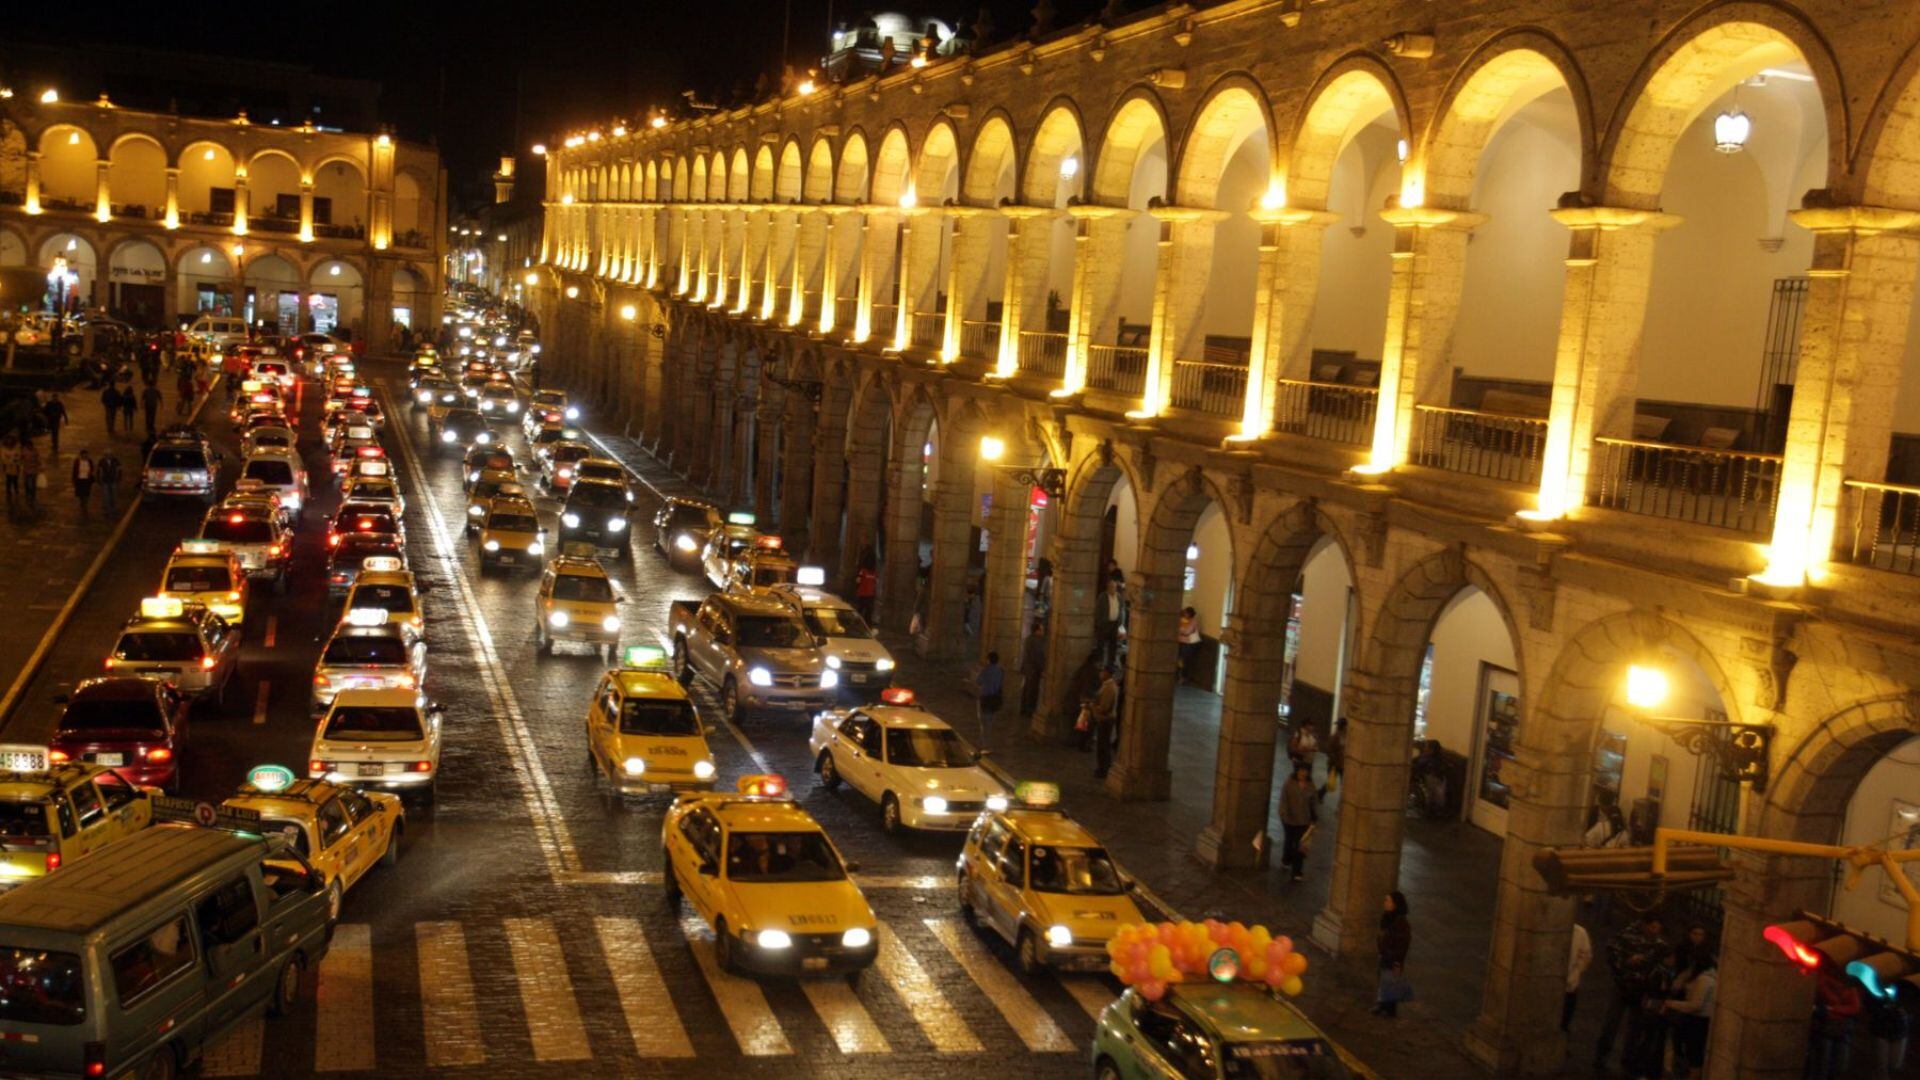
(137, 284)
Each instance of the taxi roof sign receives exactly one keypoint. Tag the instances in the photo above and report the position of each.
(897, 695)
(380, 564)
(162, 607)
(810, 575)
(643, 656)
(23, 757)
(742, 517)
(367, 616)
(373, 468)
(767, 543)
(198, 545)
(268, 779)
(765, 785)
(251, 385)
(1037, 793)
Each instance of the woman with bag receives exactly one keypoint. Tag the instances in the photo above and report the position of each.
(1394, 941)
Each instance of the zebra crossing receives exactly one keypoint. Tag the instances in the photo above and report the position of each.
(617, 989)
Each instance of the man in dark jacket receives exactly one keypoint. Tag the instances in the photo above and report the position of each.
(150, 401)
(1636, 957)
(1033, 665)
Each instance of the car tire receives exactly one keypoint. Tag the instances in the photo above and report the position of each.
(730, 702)
(723, 948)
(829, 776)
(1027, 952)
(391, 857)
(1106, 1070)
(890, 814)
(163, 1065)
(287, 986)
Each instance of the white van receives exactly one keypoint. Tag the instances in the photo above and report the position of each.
(218, 332)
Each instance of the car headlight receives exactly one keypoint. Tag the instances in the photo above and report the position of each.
(490, 546)
(885, 663)
(483, 438)
(996, 803)
(536, 548)
(447, 436)
(486, 406)
(773, 939)
(703, 770)
(424, 396)
(1059, 936)
(857, 938)
(513, 406)
(634, 766)
(610, 624)
(829, 679)
(934, 804)
(570, 520)
(833, 662)
(760, 677)
(616, 524)
(685, 543)
(558, 619)
(476, 511)
(573, 412)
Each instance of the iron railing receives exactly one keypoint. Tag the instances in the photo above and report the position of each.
(782, 301)
(1119, 368)
(927, 328)
(844, 309)
(1726, 489)
(979, 338)
(1043, 353)
(1331, 411)
(1214, 389)
(1882, 527)
(1497, 446)
(881, 321)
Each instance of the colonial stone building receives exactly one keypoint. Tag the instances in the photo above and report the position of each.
(1595, 319)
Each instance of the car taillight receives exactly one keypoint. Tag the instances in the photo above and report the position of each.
(206, 663)
(316, 767)
(160, 753)
(333, 539)
(423, 766)
(406, 682)
(58, 756)
(272, 549)
(236, 595)
(53, 863)
(322, 680)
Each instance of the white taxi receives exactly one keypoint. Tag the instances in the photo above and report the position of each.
(386, 739)
(920, 771)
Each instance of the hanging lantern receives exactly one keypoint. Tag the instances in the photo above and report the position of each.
(1730, 131)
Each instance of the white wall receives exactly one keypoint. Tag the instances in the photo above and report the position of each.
(1689, 696)
(1210, 597)
(1870, 821)
(1356, 271)
(1126, 532)
(1324, 581)
(1468, 633)
(1143, 237)
(1236, 242)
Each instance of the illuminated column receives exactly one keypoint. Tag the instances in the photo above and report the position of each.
(1853, 331)
(240, 206)
(782, 223)
(172, 219)
(919, 267)
(102, 192)
(1423, 301)
(693, 257)
(830, 478)
(1179, 296)
(810, 243)
(676, 254)
(650, 246)
(753, 259)
(1596, 369)
(1093, 308)
(1236, 836)
(32, 201)
(974, 228)
(306, 211)
(880, 228)
(1023, 303)
(844, 227)
(718, 228)
(1283, 302)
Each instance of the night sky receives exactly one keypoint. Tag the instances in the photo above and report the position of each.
(465, 74)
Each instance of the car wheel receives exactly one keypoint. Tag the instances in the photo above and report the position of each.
(161, 1066)
(723, 946)
(287, 987)
(730, 702)
(1106, 1070)
(391, 857)
(829, 776)
(336, 898)
(1029, 953)
(890, 814)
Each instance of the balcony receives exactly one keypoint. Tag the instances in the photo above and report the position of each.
(782, 301)
(1120, 369)
(274, 225)
(1043, 354)
(1880, 527)
(1334, 412)
(979, 339)
(1725, 489)
(1211, 388)
(881, 321)
(1496, 446)
(810, 306)
(926, 328)
(844, 310)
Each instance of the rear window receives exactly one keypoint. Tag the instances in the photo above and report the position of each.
(580, 587)
(160, 647)
(273, 473)
(198, 579)
(247, 530)
(688, 517)
(177, 457)
(152, 960)
(23, 821)
(385, 597)
(602, 472)
(105, 715)
(39, 987)
(365, 650)
(373, 725)
(642, 717)
(512, 523)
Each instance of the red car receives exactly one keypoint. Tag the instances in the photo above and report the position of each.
(136, 727)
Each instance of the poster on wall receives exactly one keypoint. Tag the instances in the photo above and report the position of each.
(1290, 655)
(1903, 835)
(1500, 708)
(1422, 695)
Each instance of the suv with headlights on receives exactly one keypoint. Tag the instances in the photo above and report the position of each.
(594, 518)
(756, 650)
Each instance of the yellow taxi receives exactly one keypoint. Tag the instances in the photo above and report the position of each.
(51, 815)
(510, 532)
(383, 584)
(341, 831)
(764, 876)
(576, 602)
(1040, 880)
(643, 734)
(207, 572)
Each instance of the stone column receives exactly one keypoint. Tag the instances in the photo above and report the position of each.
(1075, 552)
(1243, 786)
(796, 467)
(941, 637)
(1023, 305)
(1423, 301)
(879, 228)
(1004, 587)
(677, 225)
(753, 261)
(1146, 724)
(102, 192)
(1760, 1015)
(828, 473)
(1179, 296)
(1093, 317)
(306, 211)
(900, 564)
(172, 218)
(1373, 810)
(1283, 299)
(1596, 364)
(31, 201)
(838, 276)
(783, 224)
(1852, 335)
(811, 246)
(240, 206)
(974, 230)
(920, 267)
(867, 477)
(698, 254)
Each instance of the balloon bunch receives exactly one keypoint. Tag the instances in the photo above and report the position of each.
(1151, 956)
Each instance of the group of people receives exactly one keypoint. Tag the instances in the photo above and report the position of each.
(1663, 993)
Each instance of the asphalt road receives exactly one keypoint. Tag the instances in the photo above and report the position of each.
(524, 932)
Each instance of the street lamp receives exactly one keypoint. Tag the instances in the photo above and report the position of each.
(991, 448)
(1742, 752)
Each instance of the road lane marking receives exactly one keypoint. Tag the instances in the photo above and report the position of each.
(754, 1026)
(260, 702)
(1094, 995)
(546, 991)
(655, 1026)
(237, 1053)
(449, 1018)
(1028, 1020)
(853, 1029)
(273, 631)
(938, 1019)
(343, 1003)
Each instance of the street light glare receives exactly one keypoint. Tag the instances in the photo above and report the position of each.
(1646, 686)
(992, 449)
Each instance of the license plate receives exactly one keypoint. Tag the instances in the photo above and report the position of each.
(507, 557)
(109, 759)
(859, 678)
(813, 963)
(173, 478)
(372, 768)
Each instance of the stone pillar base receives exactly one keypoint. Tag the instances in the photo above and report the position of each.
(1139, 786)
(1538, 1054)
(1331, 933)
(1222, 852)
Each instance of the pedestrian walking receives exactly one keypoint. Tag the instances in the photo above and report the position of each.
(1336, 751)
(866, 586)
(1636, 958)
(1190, 639)
(106, 473)
(127, 401)
(82, 476)
(1299, 810)
(1103, 713)
(10, 467)
(1690, 1013)
(1033, 666)
(1889, 1026)
(1109, 615)
(183, 390)
(54, 412)
(110, 404)
(1304, 746)
(1579, 958)
(30, 474)
(150, 402)
(1393, 942)
(989, 686)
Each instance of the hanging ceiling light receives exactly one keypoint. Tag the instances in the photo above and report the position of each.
(1731, 130)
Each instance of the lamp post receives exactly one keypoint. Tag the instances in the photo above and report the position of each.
(1742, 752)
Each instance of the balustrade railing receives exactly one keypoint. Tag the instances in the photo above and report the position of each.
(782, 300)
(926, 329)
(810, 306)
(1880, 527)
(1494, 445)
(1214, 389)
(1727, 489)
(844, 309)
(979, 338)
(1043, 353)
(1119, 368)
(1331, 411)
(881, 322)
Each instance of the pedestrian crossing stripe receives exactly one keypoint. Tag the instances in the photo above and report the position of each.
(946, 976)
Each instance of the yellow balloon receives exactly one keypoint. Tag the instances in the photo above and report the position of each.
(1119, 969)
(1293, 986)
(1256, 968)
(1295, 963)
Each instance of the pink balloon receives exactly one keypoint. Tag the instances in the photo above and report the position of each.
(1154, 990)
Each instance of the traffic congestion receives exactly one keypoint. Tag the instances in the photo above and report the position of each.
(410, 710)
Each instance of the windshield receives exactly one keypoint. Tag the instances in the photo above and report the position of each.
(928, 748)
(158, 647)
(367, 724)
(41, 987)
(592, 590)
(512, 523)
(23, 821)
(363, 520)
(106, 714)
(1081, 871)
(271, 473)
(177, 457)
(349, 554)
(642, 717)
(245, 531)
(1295, 1059)
(837, 622)
(385, 597)
(782, 856)
(198, 579)
(688, 517)
(597, 497)
(603, 472)
(771, 632)
(358, 649)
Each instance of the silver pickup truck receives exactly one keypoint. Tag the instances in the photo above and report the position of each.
(756, 651)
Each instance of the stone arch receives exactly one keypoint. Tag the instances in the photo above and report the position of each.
(850, 180)
(1587, 674)
(995, 152)
(818, 185)
(1397, 640)
(938, 162)
(738, 176)
(676, 170)
(137, 173)
(1234, 109)
(1888, 162)
(1138, 122)
(623, 188)
(1808, 799)
(760, 185)
(1696, 62)
(650, 185)
(275, 152)
(136, 136)
(698, 192)
(717, 177)
(1347, 97)
(13, 246)
(1061, 134)
(786, 182)
(891, 165)
(1503, 75)
(69, 176)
